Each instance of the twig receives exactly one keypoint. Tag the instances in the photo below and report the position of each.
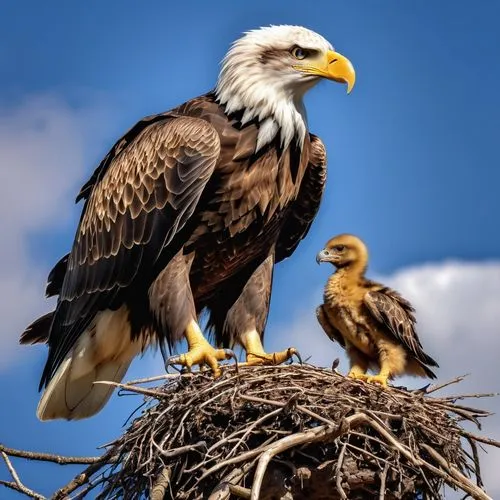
(19, 486)
(255, 399)
(227, 486)
(83, 477)
(131, 388)
(260, 421)
(297, 439)
(419, 462)
(156, 378)
(178, 451)
(338, 473)
(161, 484)
(477, 465)
(383, 479)
(240, 458)
(480, 439)
(239, 491)
(48, 457)
(13, 486)
(463, 481)
(437, 387)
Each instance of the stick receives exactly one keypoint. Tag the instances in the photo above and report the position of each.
(131, 388)
(338, 481)
(161, 484)
(19, 486)
(437, 387)
(82, 478)
(48, 457)
(463, 481)
(383, 479)
(480, 439)
(309, 436)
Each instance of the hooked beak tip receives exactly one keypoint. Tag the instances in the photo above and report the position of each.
(320, 257)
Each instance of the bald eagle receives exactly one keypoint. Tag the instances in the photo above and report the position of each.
(374, 324)
(189, 211)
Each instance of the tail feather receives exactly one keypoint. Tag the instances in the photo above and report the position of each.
(38, 331)
(428, 371)
(74, 399)
(102, 353)
(416, 368)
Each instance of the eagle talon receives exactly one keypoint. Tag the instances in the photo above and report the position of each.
(296, 354)
(201, 355)
(176, 360)
(378, 380)
(231, 355)
(358, 375)
(275, 358)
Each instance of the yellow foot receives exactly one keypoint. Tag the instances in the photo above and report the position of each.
(202, 354)
(378, 379)
(357, 375)
(274, 358)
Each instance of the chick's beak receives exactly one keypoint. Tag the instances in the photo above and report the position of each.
(322, 257)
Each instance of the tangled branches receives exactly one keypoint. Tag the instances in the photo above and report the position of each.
(286, 432)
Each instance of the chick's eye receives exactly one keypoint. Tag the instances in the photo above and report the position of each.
(299, 53)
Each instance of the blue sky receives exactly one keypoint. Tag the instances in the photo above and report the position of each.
(413, 155)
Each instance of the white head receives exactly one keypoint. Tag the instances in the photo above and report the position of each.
(267, 72)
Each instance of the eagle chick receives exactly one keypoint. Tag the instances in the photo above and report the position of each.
(374, 324)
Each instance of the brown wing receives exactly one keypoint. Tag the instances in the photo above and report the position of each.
(39, 330)
(330, 330)
(307, 204)
(396, 315)
(139, 200)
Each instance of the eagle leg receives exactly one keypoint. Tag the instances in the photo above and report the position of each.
(239, 317)
(200, 351)
(392, 361)
(359, 363)
(256, 356)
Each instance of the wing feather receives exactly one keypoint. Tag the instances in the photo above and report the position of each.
(307, 204)
(332, 332)
(397, 316)
(136, 203)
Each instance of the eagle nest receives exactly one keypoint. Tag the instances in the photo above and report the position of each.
(287, 432)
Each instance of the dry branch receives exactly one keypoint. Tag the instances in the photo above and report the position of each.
(291, 432)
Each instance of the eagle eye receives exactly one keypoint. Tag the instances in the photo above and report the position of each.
(339, 248)
(299, 53)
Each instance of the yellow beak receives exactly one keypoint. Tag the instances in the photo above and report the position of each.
(333, 66)
(340, 69)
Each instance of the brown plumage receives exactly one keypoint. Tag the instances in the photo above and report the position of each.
(374, 324)
(189, 211)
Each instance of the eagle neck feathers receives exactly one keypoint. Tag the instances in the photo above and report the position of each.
(277, 114)
(344, 280)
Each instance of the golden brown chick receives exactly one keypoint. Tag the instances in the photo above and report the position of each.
(373, 323)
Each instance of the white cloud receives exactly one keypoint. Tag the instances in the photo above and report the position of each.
(44, 155)
(458, 313)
